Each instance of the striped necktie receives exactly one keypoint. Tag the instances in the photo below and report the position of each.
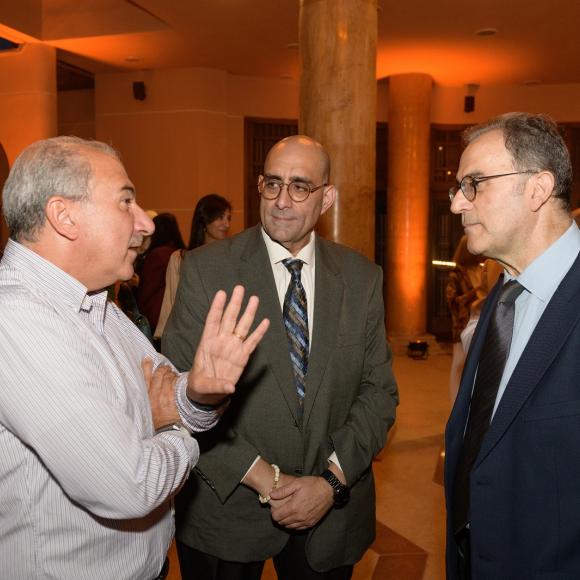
(295, 316)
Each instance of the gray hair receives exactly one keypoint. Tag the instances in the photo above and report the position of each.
(534, 143)
(57, 166)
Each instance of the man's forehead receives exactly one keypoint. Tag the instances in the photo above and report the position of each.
(299, 160)
(487, 150)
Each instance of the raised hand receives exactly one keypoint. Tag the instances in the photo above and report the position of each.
(225, 347)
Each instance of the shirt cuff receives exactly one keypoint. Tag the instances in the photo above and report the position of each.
(334, 459)
(192, 417)
(250, 468)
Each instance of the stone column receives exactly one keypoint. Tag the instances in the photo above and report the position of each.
(28, 106)
(338, 40)
(408, 207)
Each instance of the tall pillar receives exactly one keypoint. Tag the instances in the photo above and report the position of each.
(338, 40)
(408, 206)
(28, 106)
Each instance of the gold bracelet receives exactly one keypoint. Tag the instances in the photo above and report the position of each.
(266, 499)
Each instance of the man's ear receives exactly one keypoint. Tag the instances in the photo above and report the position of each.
(328, 197)
(60, 215)
(543, 186)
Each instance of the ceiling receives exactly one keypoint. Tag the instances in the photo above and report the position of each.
(537, 41)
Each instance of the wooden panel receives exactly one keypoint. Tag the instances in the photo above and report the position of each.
(260, 136)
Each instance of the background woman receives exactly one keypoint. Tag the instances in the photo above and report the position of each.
(210, 222)
(166, 239)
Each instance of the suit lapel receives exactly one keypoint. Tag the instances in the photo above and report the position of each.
(328, 292)
(548, 338)
(257, 277)
(458, 418)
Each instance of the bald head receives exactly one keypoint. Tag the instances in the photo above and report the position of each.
(301, 161)
(304, 145)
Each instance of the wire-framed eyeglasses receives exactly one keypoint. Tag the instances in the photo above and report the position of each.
(271, 188)
(468, 185)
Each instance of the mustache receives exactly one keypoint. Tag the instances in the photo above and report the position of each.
(281, 213)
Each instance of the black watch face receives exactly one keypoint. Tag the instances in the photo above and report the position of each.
(341, 496)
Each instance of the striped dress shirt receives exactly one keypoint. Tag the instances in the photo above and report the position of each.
(85, 484)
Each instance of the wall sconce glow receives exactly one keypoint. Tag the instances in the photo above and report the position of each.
(443, 263)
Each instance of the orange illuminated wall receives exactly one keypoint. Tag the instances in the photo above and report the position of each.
(186, 138)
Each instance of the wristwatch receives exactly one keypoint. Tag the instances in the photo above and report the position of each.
(341, 491)
(173, 427)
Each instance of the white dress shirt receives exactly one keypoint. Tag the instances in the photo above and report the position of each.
(540, 280)
(85, 484)
(277, 253)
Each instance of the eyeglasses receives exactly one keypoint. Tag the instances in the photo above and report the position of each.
(298, 191)
(468, 185)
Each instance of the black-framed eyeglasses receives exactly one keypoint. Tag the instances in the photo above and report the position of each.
(271, 188)
(468, 185)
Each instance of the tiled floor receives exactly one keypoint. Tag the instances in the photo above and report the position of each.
(410, 508)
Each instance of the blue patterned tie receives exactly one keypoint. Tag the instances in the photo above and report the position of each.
(296, 322)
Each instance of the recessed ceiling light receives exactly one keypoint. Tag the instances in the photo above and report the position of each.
(486, 32)
(292, 46)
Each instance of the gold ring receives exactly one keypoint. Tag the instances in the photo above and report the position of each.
(242, 338)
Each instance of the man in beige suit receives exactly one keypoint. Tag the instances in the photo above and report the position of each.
(287, 474)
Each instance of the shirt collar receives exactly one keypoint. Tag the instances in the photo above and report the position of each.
(545, 273)
(277, 252)
(42, 276)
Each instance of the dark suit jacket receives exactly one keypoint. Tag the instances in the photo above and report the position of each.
(350, 402)
(525, 484)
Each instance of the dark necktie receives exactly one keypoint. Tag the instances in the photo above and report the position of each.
(489, 373)
(296, 322)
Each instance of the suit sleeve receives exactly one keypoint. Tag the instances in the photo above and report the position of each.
(231, 455)
(372, 414)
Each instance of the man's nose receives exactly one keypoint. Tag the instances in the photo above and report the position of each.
(460, 203)
(284, 200)
(143, 223)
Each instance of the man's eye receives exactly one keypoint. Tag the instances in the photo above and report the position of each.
(272, 184)
(300, 187)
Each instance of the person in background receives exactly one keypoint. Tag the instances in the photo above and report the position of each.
(211, 221)
(490, 272)
(95, 425)
(461, 291)
(166, 239)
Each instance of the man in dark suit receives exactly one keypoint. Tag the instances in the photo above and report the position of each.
(289, 476)
(512, 472)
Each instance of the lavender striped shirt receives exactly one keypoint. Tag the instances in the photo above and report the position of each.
(85, 485)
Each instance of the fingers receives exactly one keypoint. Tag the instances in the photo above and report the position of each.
(283, 492)
(254, 339)
(147, 366)
(230, 315)
(222, 319)
(245, 322)
(214, 316)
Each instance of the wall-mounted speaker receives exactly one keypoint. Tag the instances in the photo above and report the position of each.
(469, 104)
(139, 92)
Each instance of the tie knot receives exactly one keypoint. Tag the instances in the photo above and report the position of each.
(510, 292)
(293, 266)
